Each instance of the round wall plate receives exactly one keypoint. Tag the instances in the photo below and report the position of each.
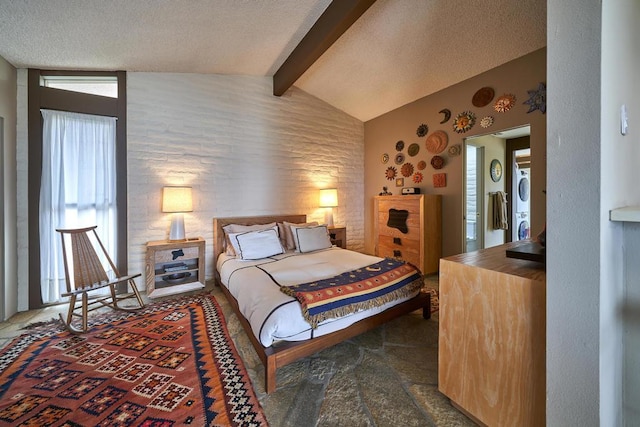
(495, 170)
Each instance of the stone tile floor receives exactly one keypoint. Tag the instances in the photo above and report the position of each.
(385, 377)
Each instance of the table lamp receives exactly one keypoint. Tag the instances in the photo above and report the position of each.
(328, 200)
(177, 200)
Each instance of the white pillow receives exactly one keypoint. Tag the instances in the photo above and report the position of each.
(260, 244)
(238, 228)
(290, 242)
(311, 238)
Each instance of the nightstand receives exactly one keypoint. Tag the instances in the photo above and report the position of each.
(174, 267)
(338, 236)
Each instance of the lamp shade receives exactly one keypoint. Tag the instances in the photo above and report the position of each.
(177, 199)
(329, 198)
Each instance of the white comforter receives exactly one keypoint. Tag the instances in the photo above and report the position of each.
(275, 316)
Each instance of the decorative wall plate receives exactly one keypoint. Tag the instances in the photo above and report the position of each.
(437, 162)
(418, 177)
(399, 159)
(421, 165)
(486, 121)
(390, 173)
(385, 158)
(495, 170)
(407, 170)
(422, 130)
(483, 97)
(437, 141)
(464, 121)
(504, 103)
(399, 145)
(413, 149)
(454, 150)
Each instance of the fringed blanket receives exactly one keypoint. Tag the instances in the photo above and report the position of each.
(356, 290)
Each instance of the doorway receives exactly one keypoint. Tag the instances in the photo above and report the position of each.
(508, 151)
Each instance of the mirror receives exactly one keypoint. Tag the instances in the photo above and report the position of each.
(497, 167)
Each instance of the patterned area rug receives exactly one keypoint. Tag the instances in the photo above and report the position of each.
(435, 303)
(172, 363)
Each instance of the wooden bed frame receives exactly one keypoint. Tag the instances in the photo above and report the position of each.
(284, 353)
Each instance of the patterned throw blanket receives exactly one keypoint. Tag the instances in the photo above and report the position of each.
(356, 290)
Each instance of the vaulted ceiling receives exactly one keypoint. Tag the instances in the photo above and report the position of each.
(396, 52)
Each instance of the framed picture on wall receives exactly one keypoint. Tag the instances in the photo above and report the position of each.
(399, 182)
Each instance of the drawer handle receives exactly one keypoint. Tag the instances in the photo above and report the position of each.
(397, 241)
(398, 219)
(397, 253)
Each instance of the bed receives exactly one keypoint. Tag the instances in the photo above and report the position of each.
(237, 280)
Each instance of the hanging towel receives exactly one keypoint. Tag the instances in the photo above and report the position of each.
(500, 221)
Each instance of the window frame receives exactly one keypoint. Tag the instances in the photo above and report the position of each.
(40, 97)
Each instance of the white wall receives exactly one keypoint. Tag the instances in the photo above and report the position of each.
(573, 212)
(620, 243)
(8, 259)
(244, 152)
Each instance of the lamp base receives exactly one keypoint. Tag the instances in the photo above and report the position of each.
(176, 234)
(328, 217)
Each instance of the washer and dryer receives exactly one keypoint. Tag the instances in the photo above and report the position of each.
(522, 229)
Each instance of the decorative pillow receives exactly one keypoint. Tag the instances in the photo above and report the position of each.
(311, 238)
(260, 244)
(288, 234)
(238, 228)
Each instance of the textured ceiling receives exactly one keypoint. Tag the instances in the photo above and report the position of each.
(399, 50)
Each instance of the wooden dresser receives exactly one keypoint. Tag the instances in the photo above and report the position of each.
(409, 228)
(492, 332)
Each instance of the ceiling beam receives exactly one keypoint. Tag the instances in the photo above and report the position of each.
(333, 22)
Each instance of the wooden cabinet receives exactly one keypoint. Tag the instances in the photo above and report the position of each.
(174, 267)
(338, 236)
(409, 228)
(492, 332)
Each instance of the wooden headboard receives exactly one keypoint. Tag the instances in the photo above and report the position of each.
(218, 232)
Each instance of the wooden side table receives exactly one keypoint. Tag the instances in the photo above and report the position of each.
(174, 267)
(338, 236)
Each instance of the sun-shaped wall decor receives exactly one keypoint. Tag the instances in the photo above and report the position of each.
(464, 121)
(418, 177)
(504, 103)
(407, 170)
(391, 172)
(422, 130)
(486, 121)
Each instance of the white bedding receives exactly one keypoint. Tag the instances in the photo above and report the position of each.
(275, 316)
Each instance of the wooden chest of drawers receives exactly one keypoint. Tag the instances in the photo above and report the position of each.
(409, 228)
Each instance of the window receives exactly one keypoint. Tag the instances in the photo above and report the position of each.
(100, 94)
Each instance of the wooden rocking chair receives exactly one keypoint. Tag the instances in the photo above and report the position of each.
(90, 275)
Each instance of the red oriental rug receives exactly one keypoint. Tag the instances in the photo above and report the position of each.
(172, 363)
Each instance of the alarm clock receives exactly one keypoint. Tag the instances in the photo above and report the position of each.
(410, 190)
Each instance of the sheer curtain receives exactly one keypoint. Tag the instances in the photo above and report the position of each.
(78, 188)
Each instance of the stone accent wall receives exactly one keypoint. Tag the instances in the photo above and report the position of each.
(244, 151)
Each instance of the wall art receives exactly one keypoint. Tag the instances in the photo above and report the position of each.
(464, 121)
(483, 97)
(439, 180)
(504, 103)
(537, 99)
(399, 182)
(407, 170)
(390, 173)
(422, 130)
(446, 115)
(437, 142)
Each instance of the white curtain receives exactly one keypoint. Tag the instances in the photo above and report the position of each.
(78, 188)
